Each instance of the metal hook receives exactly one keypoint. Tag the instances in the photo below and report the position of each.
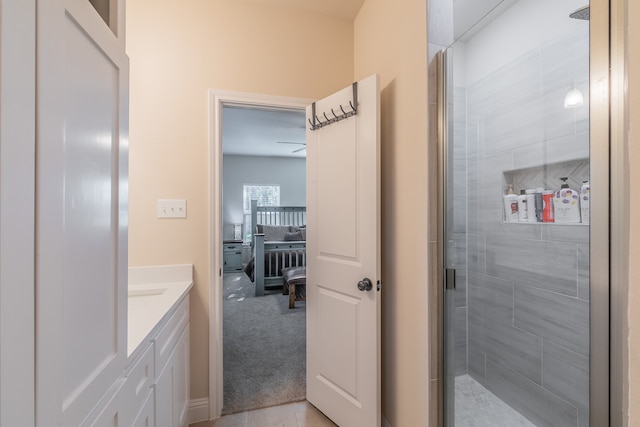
(343, 112)
(334, 114)
(325, 116)
(313, 125)
(319, 122)
(352, 107)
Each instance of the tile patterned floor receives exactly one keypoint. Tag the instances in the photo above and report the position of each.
(298, 414)
(476, 406)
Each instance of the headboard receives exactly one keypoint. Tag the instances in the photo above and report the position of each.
(277, 215)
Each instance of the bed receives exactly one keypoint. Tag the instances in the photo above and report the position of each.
(278, 241)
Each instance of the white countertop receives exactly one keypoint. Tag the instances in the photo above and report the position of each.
(153, 292)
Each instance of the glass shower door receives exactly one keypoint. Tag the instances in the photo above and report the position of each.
(516, 211)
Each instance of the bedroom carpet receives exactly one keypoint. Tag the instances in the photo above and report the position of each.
(264, 349)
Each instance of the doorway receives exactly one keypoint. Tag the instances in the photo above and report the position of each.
(218, 102)
(521, 342)
(264, 341)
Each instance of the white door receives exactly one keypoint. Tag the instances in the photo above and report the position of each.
(81, 211)
(343, 248)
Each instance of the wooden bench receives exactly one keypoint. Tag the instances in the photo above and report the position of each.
(295, 284)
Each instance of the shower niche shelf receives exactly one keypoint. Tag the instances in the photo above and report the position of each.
(547, 176)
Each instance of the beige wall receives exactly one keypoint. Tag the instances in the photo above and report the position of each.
(178, 52)
(390, 39)
(634, 252)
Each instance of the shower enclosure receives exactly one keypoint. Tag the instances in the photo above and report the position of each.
(517, 309)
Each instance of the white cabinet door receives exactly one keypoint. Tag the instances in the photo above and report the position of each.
(81, 211)
(172, 387)
(343, 248)
(181, 380)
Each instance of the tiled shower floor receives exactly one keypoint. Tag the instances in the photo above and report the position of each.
(476, 406)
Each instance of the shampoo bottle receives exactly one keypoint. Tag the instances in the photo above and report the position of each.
(539, 204)
(511, 205)
(584, 202)
(548, 210)
(566, 204)
(522, 207)
(531, 205)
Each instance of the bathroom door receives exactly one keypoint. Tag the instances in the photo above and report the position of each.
(517, 292)
(343, 257)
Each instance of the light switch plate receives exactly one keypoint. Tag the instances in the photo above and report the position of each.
(172, 208)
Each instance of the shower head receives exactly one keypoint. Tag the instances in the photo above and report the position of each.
(581, 13)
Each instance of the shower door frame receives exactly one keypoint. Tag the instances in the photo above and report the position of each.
(608, 229)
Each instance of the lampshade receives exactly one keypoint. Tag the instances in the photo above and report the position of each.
(573, 99)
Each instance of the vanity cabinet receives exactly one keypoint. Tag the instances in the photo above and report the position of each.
(172, 386)
(157, 388)
(146, 416)
(232, 256)
(154, 388)
(111, 410)
(139, 388)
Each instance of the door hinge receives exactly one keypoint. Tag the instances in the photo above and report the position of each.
(220, 272)
(379, 285)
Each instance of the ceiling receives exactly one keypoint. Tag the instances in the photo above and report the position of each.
(347, 9)
(263, 132)
(470, 16)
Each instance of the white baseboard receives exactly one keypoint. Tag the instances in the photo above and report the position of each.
(385, 423)
(198, 410)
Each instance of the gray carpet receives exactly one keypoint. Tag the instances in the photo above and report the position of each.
(264, 346)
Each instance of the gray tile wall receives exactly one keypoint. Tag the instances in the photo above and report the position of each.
(522, 301)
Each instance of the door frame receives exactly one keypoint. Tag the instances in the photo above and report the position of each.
(217, 100)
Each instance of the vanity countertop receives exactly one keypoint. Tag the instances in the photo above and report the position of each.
(153, 292)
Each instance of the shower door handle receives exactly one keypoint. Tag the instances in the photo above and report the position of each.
(450, 279)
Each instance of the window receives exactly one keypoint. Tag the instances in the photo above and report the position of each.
(266, 195)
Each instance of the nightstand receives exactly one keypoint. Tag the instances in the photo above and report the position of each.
(232, 256)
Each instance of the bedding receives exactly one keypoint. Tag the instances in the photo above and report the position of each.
(282, 233)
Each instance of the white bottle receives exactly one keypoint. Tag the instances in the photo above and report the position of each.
(511, 205)
(584, 201)
(566, 204)
(539, 204)
(522, 207)
(531, 205)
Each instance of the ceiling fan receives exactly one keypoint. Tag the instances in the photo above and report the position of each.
(304, 145)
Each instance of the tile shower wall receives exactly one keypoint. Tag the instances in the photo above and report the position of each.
(523, 306)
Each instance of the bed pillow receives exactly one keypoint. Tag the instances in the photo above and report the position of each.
(275, 233)
(294, 236)
(302, 230)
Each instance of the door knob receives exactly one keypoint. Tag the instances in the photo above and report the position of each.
(365, 285)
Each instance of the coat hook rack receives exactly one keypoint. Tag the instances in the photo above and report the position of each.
(353, 104)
